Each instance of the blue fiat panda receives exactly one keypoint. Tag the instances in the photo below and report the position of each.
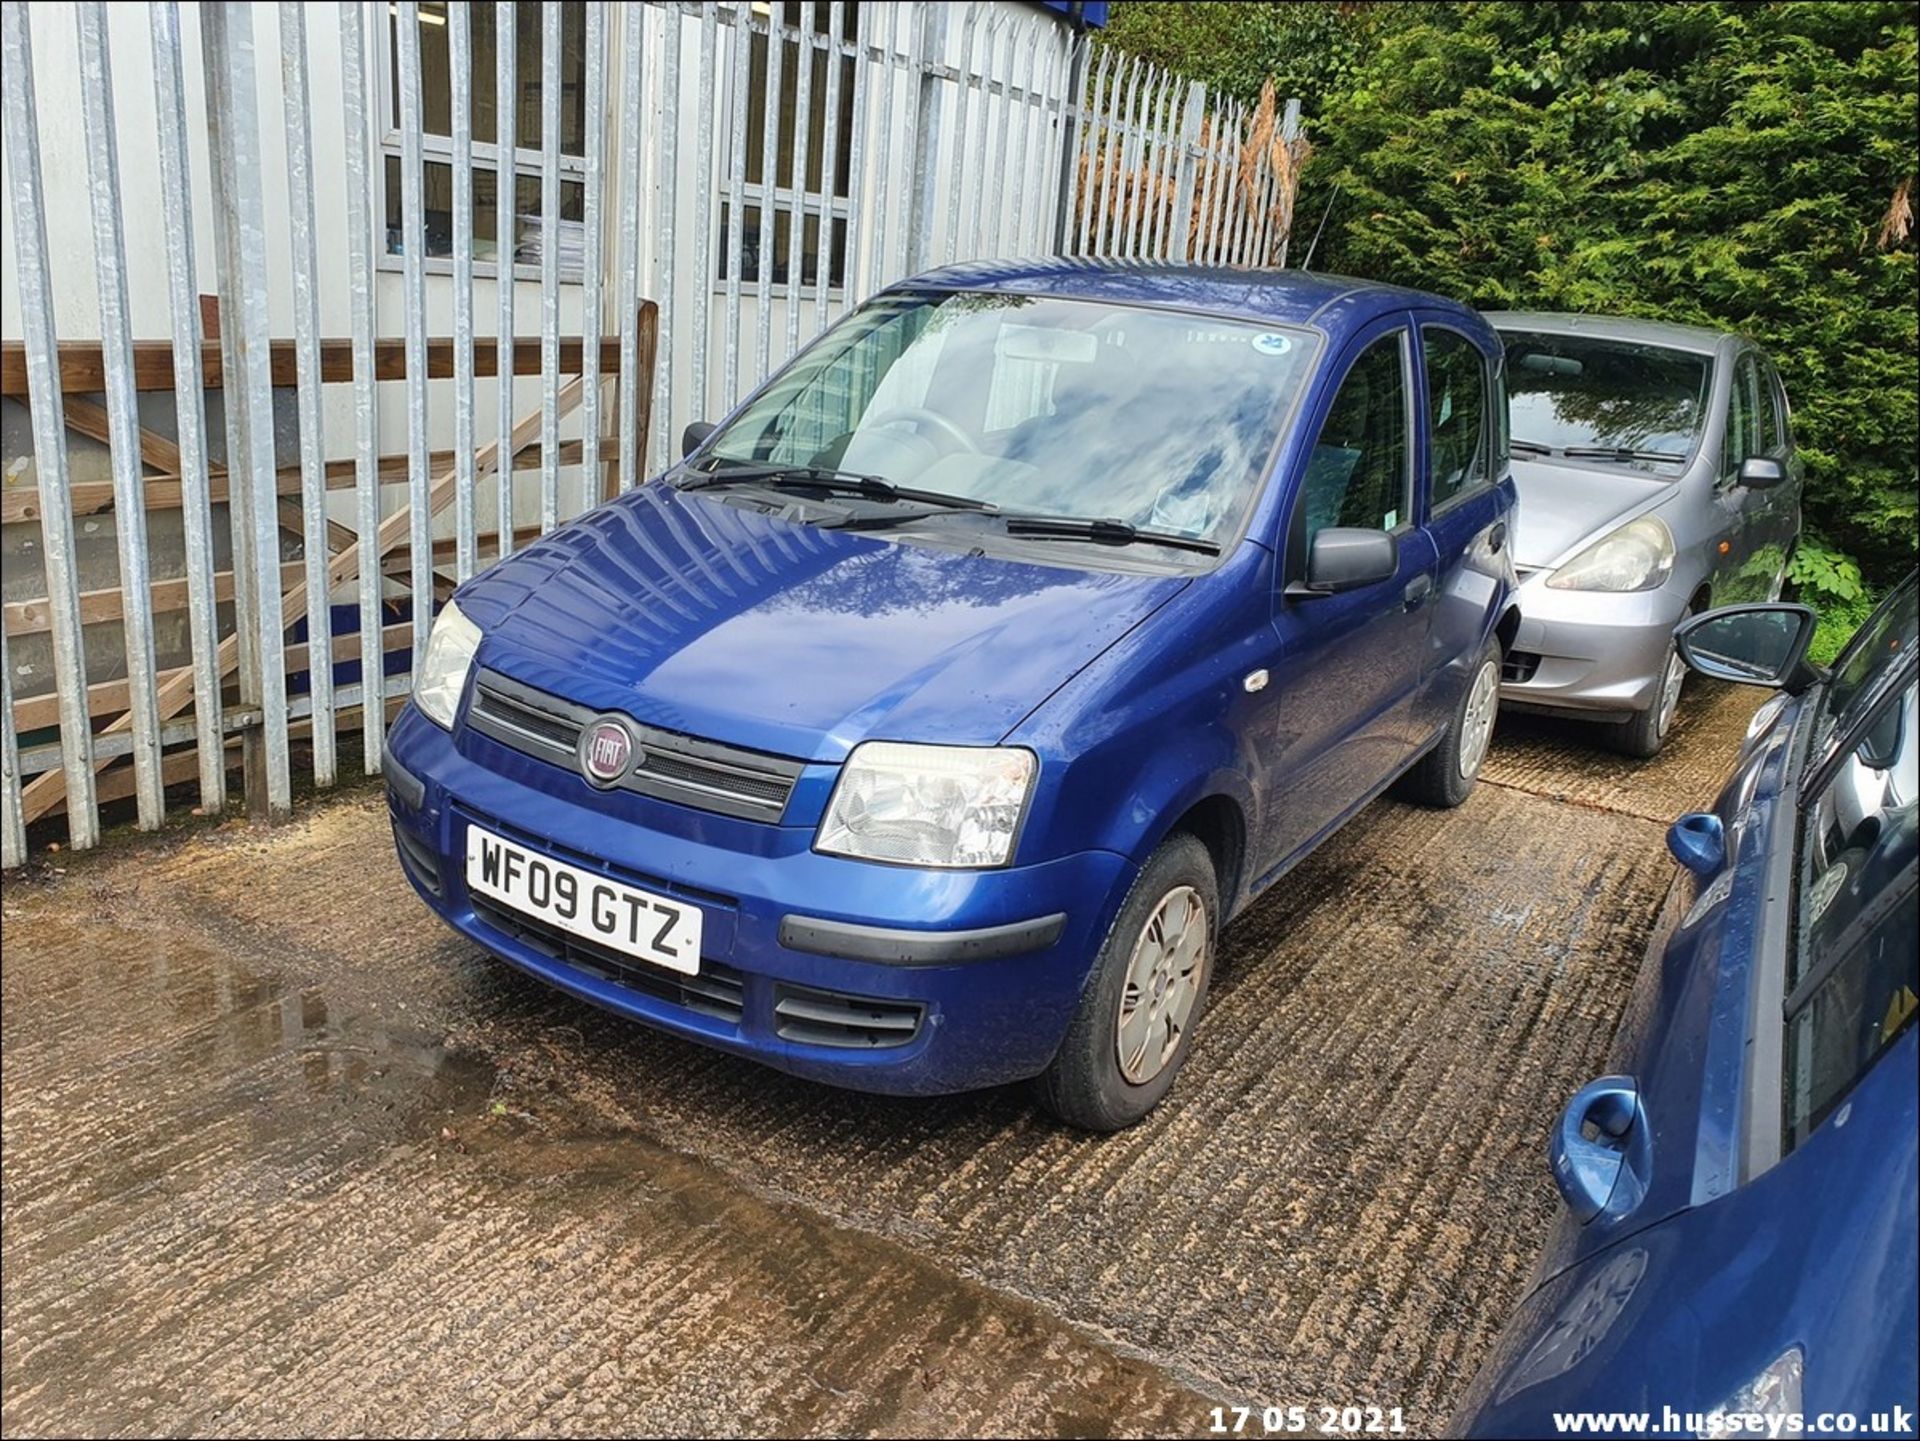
(920, 730)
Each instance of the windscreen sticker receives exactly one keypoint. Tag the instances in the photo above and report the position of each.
(1270, 344)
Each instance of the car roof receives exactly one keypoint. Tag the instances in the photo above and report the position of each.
(1613, 327)
(1284, 297)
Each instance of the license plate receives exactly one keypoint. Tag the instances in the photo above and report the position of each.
(637, 923)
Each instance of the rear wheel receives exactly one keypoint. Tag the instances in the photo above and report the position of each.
(1646, 731)
(1148, 989)
(1444, 776)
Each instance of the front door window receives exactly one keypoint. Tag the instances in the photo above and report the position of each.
(1358, 474)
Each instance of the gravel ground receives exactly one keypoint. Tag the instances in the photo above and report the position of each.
(283, 1155)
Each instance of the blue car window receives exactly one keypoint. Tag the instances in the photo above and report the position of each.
(1071, 408)
(1456, 414)
(1854, 975)
(1357, 472)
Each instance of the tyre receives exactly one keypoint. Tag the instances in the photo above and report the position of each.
(1148, 989)
(1646, 731)
(1444, 776)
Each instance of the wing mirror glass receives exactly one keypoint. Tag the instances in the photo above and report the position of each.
(1342, 558)
(695, 436)
(1751, 645)
(1761, 472)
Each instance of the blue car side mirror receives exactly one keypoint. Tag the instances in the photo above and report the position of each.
(1600, 1149)
(1699, 842)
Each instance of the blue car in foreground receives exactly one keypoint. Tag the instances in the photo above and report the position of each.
(1741, 1246)
(919, 731)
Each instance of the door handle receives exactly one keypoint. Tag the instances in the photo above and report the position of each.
(1417, 591)
(1497, 537)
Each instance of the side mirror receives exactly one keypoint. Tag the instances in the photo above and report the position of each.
(695, 436)
(1699, 842)
(1751, 645)
(1600, 1151)
(1341, 558)
(1761, 472)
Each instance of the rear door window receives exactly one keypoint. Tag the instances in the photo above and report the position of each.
(1457, 412)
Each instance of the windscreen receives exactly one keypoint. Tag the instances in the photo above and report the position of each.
(1160, 418)
(1586, 399)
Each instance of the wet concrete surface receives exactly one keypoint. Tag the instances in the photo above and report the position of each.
(283, 1155)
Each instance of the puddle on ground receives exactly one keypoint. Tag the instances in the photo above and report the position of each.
(237, 1206)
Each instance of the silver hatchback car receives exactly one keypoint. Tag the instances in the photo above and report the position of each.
(1657, 477)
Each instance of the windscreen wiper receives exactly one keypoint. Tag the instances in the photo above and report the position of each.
(1102, 532)
(1531, 447)
(837, 482)
(894, 519)
(1618, 452)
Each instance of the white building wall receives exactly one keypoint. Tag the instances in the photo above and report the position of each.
(1019, 31)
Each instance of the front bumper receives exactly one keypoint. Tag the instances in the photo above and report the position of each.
(876, 977)
(1589, 652)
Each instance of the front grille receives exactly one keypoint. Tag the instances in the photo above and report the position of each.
(1518, 666)
(717, 991)
(418, 860)
(829, 1018)
(706, 775)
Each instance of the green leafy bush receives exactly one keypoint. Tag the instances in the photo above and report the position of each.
(1827, 574)
(1831, 583)
(1727, 163)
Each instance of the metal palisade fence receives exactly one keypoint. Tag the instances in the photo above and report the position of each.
(314, 310)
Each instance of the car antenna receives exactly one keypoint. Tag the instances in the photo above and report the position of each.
(1307, 264)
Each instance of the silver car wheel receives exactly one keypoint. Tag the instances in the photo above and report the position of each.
(1164, 976)
(1476, 724)
(1670, 689)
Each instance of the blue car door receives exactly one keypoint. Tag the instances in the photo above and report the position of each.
(1347, 664)
(1469, 496)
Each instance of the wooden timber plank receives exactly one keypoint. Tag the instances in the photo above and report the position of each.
(175, 691)
(83, 371)
(109, 697)
(30, 617)
(22, 503)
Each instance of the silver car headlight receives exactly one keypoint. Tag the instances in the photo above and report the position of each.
(919, 805)
(443, 670)
(1637, 556)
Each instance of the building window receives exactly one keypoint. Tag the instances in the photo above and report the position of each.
(530, 227)
(815, 190)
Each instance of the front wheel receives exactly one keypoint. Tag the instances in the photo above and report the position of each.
(1445, 775)
(1148, 989)
(1645, 732)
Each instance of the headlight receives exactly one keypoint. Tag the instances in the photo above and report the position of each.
(928, 805)
(443, 670)
(1768, 1405)
(1637, 556)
